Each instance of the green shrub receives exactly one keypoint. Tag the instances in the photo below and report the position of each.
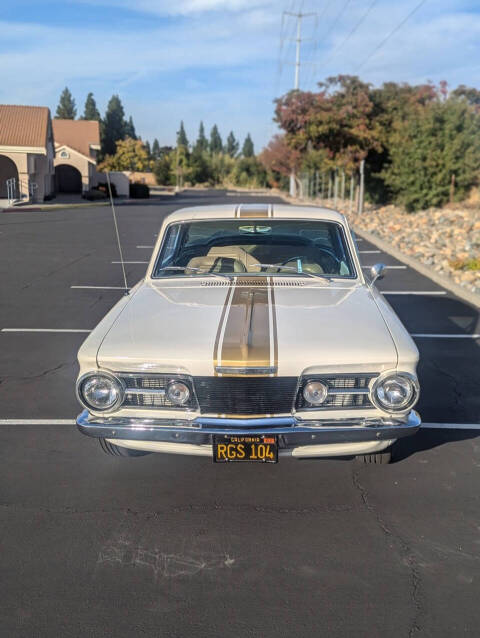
(434, 144)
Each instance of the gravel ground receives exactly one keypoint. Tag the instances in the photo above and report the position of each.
(445, 239)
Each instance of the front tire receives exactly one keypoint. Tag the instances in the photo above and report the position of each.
(378, 458)
(116, 450)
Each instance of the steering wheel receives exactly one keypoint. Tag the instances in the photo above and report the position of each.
(328, 255)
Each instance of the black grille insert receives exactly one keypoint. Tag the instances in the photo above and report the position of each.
(339, 396)
(239, 396)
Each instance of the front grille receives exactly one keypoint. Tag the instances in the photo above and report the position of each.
(339, 396)
(148, 391)
(245, 395)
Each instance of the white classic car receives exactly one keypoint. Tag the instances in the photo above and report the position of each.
(254, 335)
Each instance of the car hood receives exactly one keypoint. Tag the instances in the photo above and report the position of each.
(286, 326)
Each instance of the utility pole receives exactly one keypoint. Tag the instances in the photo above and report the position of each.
(298, 40)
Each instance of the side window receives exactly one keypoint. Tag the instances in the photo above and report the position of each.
(168, 250)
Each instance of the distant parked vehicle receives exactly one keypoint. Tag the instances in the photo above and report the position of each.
(253, 336)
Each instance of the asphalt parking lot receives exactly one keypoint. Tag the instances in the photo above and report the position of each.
(176, 546)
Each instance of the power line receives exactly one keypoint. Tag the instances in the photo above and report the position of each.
(332, 27)
(335, 51)
(399, 26)
(318, 20)
(335, 22)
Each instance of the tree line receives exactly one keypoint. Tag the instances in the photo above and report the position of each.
(421, 144)
(113, 126)
(208, 160)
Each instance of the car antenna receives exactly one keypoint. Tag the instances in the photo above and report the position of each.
(116, 232)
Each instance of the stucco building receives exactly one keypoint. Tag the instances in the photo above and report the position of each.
(76, 145)
(26, 153)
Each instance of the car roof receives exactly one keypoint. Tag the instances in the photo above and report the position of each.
(256, 211)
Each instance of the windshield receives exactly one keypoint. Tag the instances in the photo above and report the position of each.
(230, 247)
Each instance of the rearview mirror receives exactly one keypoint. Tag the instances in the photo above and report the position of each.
(377, 272)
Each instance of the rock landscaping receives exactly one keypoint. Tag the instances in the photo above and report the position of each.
(447, 239)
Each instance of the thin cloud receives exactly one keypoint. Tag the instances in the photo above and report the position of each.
(217, 59)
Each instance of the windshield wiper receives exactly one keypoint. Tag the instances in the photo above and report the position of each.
(295, 270)
(203, 273)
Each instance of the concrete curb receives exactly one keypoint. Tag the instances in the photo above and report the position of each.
(42, 207)
(101, 202)
(426, 271)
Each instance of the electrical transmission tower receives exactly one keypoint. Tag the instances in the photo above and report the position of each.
(298, 41)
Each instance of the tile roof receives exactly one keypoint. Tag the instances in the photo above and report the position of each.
(77, 134)
(23, 125)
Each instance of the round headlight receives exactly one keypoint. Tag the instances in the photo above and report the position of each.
(178, 392)
(100, 391)
(396, 392)
(315, 392)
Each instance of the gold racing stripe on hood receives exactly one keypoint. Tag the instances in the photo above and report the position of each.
(246, 340)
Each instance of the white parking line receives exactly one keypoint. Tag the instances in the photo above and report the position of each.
(37, 422)
(387, 267)
(413, 292)
(98, 287)
(444, 336)
(451, 426)
(42, 330)
(152, 247)
(130, 262)
(369, 252)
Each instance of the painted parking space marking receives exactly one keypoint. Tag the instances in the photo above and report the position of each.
(37, 422)
(369, 252)
(451, 426)
(43, 330)
(130, 262)
(146, 247)
(421, 335)
(99, 287)
(414, 292)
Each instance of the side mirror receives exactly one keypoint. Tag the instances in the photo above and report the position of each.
(377, 272)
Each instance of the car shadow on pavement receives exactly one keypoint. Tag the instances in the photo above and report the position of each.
(427, 440)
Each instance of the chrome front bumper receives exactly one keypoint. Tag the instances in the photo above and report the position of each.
(291, 432)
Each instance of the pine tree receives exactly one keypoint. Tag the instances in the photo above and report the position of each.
(232, 146)
(90, 111)
(202, 143)
(130, 129)
(155, 149)
(148, 149)
(182, 139)
(114, 126)
(216, 145)
(247, 149)
(66, 109)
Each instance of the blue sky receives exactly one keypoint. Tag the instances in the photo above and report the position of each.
(222, 61)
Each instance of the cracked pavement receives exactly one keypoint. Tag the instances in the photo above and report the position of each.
(175, 546)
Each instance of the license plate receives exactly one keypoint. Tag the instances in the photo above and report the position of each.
(258, 449)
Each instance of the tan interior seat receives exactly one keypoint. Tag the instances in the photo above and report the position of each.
(242, 261)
